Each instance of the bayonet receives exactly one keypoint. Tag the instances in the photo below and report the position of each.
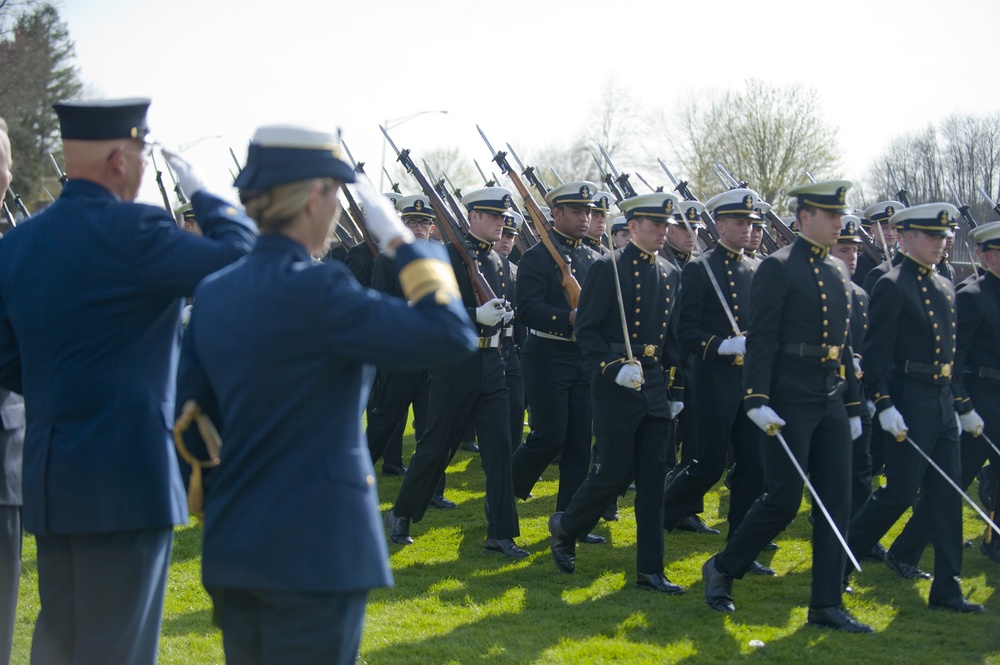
(239, 167)
(810, 176)
(455, 190)
(622, 179)
(993, 204)
(19, 203)
(486, 181)
(62, 176)
(177, 187)
(393, 184)
(558, 179)
(651, 188)
(900, 192)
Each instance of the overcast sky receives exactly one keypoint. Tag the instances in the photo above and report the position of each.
(527, 71)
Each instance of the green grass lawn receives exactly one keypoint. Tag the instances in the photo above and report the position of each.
(453, 603)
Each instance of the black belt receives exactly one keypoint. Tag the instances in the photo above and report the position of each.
(987, 373)
(823, 352)
(933, 369)
(640, 351)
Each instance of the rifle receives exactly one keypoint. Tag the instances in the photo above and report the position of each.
(993, 204)
(710, 234)
(558, 179)
(448, 198)
(569, 283)
(19, 204)
(967, 216)
(59, 172)
(9, 218)
(393, 184)
(450, 228)
(608, 181)
(486, 181)
(901, 193)
(239, 168)
(356, 214)
(159, 183)
(529, 173)
(786, 233)
(622, 179)
(646, 183)
(177, 186)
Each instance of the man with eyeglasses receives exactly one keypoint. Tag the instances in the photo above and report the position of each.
(90, 303)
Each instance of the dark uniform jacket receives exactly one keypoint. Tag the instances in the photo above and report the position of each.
(361, 262)
(278, 351)
(798, 349)
(978, 316)
(542, 301)
(702, 324)
(91, 294)
(494, 268)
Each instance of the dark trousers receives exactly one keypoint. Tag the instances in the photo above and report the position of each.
(101, 597)
(10, 575)
(910, 544)
(819, 437)
(630, 442)
(388, 410)
(686, 437)
(283, 627)
(721, 422)
(471, 392)
(861, 466)
(515, 390)
(930, 416)
(557, 383)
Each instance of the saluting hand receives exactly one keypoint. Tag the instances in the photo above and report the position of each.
(187, 178)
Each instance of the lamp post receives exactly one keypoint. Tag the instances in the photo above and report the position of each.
(389, 124)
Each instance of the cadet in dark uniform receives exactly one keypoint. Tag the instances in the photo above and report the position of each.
(879, 216)
(599, 223)
(619, 233)
(757, 227)
(634, 401)
(398, 390)
(473, 391)
(360, 258)
(279, 349)
(909, 360)
(91, 294)
(705, 330)
(847, 250)
(556, 377)
(797, 347)
(513, 337)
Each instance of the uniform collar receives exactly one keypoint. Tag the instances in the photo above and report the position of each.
(732, 254)
(679, 254)
(593, 242)
(80, 187)
(277, 243)
(922, 268)
(566, 240)
(812, 247)
(642, 254)
(480, 244)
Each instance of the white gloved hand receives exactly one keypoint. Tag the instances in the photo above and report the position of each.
(734, 346)
(187, 178)
(490, 313)
(675, 408)
(857, 367)
(892, 422)
(508, 313)
(630, 376)
(855, 422)
(870, 405)
(765, 418)
(381, 218)
(971, 422)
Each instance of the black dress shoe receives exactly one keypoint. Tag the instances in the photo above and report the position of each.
(770, 547)
(838, 619)
(563, 547)
(611, 514)
(757, 568)
(658, 582)
(905, 570)
(957, 604)
(876, 554)
(471, 446)
(968, 544)
(591, 539)
(694, 523)
(718, 587)
(505, 546)
(393, 470)
(444, 504)
(399, 528)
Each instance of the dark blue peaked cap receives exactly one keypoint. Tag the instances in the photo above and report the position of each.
(280, 154)
(103, 119)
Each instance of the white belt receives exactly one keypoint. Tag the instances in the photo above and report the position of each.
(489, 342)
(508, 332)
(544, 335)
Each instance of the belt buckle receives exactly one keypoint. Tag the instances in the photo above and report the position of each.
(833, 353)
(649, 351)
(946, 370)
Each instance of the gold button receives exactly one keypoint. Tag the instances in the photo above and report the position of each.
(824, 308)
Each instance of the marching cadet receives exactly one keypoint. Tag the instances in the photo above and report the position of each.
(880, 225)
(707, 315)
(278, 352)
(847, 250)
(976, 386)
(909, 356)
(796, 346)
(360, 258)
(397, 390)
(757, 227)
(624, 328)
(471, 392)
(945, 268)
(513, 337)
(680, 241)
(619, 233)
(91, 291)
(556, 375)
(599, 223)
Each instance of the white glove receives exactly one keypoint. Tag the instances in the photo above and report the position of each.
(855, 422)
(892, 422)
(675, 409)
(630, 376)
(490, 313)
(188, 180)
(857, 366)
(870, 405)
(381, 218)
(508, 313)
(186, 314)
(734, 346)
(971, 422)
(765, 418)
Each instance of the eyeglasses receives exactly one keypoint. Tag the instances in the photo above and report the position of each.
(414, 222)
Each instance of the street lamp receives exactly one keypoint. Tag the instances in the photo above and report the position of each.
(389, 124)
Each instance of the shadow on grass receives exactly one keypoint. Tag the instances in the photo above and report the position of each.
(198, 622)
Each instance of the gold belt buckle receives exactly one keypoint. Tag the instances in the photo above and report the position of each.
(649, 351)
(946, 370)
(833, 353)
